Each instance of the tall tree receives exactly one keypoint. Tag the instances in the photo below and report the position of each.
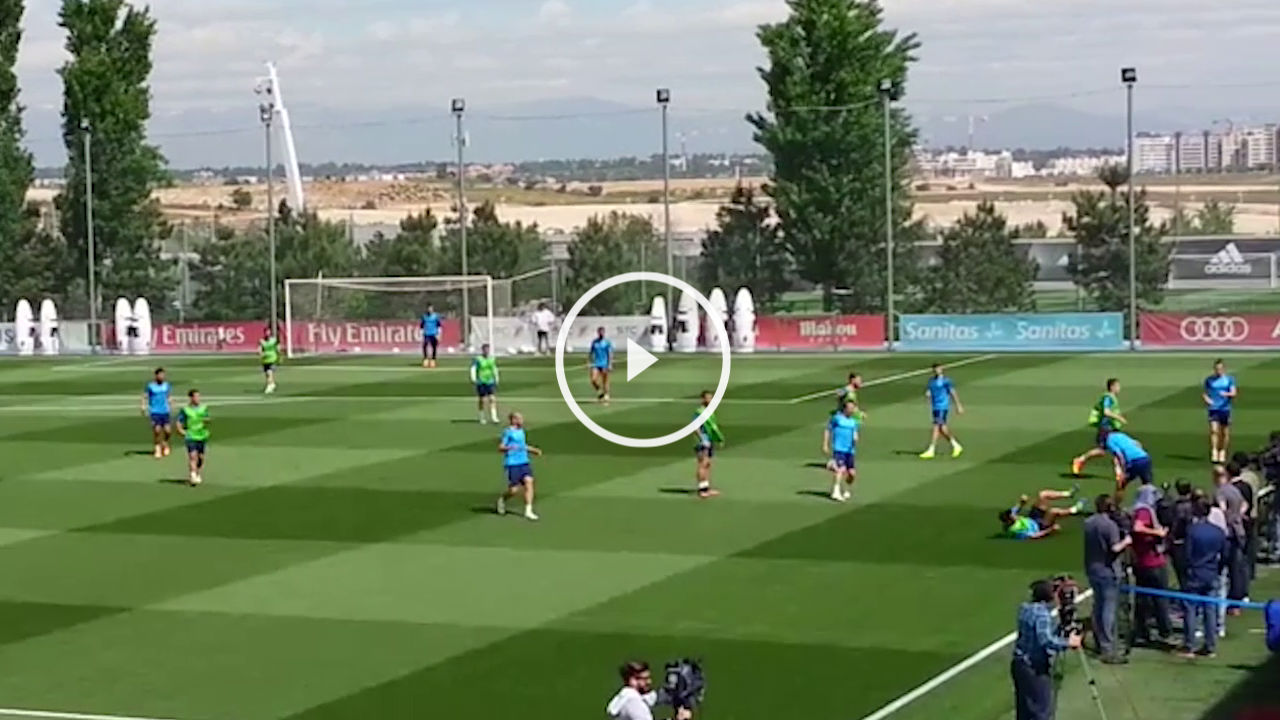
(106, 90)
(496, 248)
(607, 246)
(410, 252)
(1100, 225)
(824, 128)
(979, 268)
(745, 249)
(1215, 218)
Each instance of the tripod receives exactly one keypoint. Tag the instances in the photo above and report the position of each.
(1093, 684)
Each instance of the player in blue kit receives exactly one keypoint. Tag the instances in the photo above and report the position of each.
(1219, 392)
(600, 359)
(841, 441)
(515, 449)
(942, 393)
(156, 405)
(1133, 462)
(430, 324)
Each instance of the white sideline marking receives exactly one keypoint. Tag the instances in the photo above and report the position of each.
(946, 675)
(53, 715)
(896, 377)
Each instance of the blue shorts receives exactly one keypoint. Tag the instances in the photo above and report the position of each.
(1221, 417)
(843, 460)
(196, 446)
(1139, 470)
(160, 419)
(707, 451)
(517, 473)
(486, 389)
(600, 368)
(940, 416)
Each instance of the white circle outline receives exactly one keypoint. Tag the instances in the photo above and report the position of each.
(717, 324)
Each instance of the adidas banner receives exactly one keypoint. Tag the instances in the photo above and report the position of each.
(1208, 331)
(1228, 263)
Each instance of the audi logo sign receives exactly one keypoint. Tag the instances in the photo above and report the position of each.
(1178, 330)
(1216, 329)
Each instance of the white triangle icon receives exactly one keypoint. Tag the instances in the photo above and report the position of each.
(638, 359)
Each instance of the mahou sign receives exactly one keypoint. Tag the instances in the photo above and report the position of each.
(820, 332)
(1179, 330)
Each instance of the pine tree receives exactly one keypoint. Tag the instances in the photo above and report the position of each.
(979, 268)
(745, 249)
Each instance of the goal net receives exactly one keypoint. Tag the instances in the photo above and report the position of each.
(381, 315)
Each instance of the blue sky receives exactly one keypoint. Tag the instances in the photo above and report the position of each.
(378, 57)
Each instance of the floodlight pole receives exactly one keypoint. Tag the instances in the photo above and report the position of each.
(266, 112)
(1129, 76)
(886, 97)
(86, 132)
(459, 107)
(663, 96)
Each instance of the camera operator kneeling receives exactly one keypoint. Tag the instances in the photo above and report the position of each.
(1039, 640)
(636, 699)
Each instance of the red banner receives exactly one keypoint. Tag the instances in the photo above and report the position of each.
(370, 336)
(1209, 331)
(820, 332)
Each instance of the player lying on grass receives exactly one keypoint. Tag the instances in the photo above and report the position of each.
(840, 440)
(941, 393)
(600, 362)
(484, 375)
(157, 405)
(1104, 417)
(193, 424)
(1132, 461)
(269, 353)
(1219, 393)
(709, 435)
(1041, 520)
(515, 449)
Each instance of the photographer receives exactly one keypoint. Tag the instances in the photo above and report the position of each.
(1103, 544)
(636, 699)
(1033, 653)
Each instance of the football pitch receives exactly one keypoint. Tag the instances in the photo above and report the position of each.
(343, 560)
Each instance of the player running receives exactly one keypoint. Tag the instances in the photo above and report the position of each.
(156, 404)
(841, 442)
(600, 358)
(1105, 417)
(193, 421)
(269, 353)
(1219, 392)
(430, 324)
(484, 375)
(1132, 460)
(516, 449)
(709, 435)
(1042, 520)
(941, 393)
(849, 393)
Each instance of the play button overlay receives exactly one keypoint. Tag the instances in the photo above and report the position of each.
(639, 360)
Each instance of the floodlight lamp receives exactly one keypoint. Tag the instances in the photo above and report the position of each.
(458, 105)
(1128, 75)
(265, 111)
(664, 96)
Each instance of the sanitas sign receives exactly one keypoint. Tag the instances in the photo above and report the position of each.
(1022, 332)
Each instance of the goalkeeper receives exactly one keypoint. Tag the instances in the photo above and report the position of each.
(1104, 417)
(484, 375)
(709, 436)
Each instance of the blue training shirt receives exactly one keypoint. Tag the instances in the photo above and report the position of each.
(1216, 388)
(158, 397)
(844, 433)
(430, 324)
(601, 349)
(1126, 448)
(513, 439)
(940, 392)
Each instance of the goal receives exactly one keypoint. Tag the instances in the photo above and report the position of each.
(325, 315)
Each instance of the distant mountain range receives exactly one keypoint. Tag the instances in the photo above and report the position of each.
(583, 128)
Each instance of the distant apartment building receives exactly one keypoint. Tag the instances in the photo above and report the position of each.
(1235, 149)
(1258, 147)
(972, 164)
(1080, 165)
(1154, 154)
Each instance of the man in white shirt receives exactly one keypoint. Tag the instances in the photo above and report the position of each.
(543, 321)
(636, 699)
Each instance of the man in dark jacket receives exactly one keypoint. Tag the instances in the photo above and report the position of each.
(1205, 545)
(1183, 512)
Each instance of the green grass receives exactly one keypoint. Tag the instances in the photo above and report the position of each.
(341, 559)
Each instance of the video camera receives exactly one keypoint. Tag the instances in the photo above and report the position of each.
(1067, 593)
(684, 684)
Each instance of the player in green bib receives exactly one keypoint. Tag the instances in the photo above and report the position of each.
(484, 375)
(1041, 520)
(269, 353)
(193, 424)
(709, 435)
(1104, 417)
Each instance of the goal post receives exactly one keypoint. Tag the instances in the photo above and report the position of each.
(372, 315)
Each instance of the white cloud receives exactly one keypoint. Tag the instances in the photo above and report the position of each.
(554, 12)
